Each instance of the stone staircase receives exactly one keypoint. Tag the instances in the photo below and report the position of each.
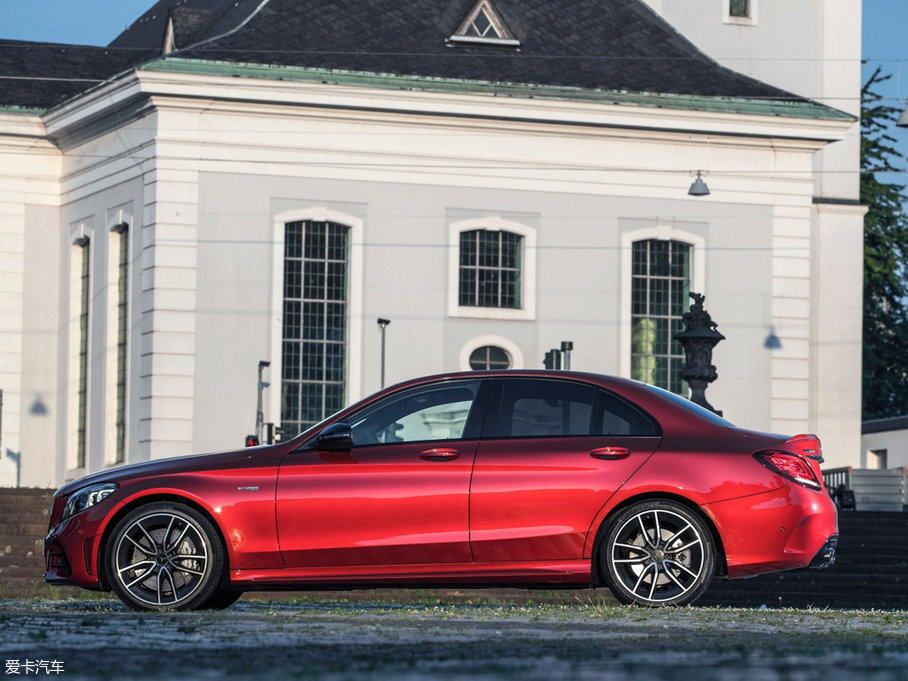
(871, 571)
(23, 524)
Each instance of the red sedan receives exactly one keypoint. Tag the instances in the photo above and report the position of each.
(517, 478)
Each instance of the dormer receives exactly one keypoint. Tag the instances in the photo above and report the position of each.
(484, 26)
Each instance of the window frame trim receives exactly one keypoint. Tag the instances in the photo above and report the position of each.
(527, 275)
(353, 388)
(749, 20)
(509, 346)
(697, 279)
(120, 215)
(81, 234)
(504, 35)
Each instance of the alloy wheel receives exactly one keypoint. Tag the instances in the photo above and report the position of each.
(162, 559)
(659, 554)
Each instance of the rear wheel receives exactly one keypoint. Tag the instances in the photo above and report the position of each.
(658, 553)
(165, 556)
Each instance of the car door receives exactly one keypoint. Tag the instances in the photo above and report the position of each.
(399, 496)
(551, 455)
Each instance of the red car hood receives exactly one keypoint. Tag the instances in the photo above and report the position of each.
(178, 464)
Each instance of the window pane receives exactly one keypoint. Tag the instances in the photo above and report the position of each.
(291, 361)
(510, 250)
(510, 289)
(315, 240)
(314, 331)
(488, 288)
(293, 240)
(489, 245)
(423, 414)
(489, 357)
(640, 255)
(490, 269)
(498, 355)
(617, 417)
(314, 279)
(311, 402)
(660, 286)
(313, 321)
(739, 8)
(482, 24)
(468, 248)
(659, 258)
(545, 408)
(293, 279)
(467, 286)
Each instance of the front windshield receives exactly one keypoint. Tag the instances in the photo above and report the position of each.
(691, 406)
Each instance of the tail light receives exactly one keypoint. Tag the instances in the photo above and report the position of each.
(808, 445)
(790, 466)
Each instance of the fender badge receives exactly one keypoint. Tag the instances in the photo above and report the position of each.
(248, 489)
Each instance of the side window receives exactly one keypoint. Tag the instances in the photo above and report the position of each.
(439, 412)
(617, 417)
(539, 408)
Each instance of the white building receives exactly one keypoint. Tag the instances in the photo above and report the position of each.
(884, 443)
(229, 183)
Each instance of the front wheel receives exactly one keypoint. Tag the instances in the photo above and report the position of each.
(165, 556)
(658, 553)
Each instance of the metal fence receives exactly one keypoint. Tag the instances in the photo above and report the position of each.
(874, 490)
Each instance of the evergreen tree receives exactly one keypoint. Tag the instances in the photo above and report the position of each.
(885, 367)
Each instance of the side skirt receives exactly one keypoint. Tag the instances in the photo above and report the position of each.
(522, 574)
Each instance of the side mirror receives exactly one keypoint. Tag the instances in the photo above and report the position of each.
(338, 437)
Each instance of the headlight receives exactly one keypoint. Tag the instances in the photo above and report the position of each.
(87, 497)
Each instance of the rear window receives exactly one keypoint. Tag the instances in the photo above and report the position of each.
(691, 407)
(617, 417)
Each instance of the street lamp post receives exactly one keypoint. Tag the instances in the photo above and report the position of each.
(259, 413)
(566, 347)
(382, 325)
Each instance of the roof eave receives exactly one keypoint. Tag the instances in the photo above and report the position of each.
(761, 107)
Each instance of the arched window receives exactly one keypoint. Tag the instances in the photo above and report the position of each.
(314, 346)
(490, 269)
(659, 297)
(490, 357)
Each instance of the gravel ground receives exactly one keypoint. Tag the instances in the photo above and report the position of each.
(372, 641)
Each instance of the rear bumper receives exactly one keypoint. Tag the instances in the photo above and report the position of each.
(826, 555)
(789, 528)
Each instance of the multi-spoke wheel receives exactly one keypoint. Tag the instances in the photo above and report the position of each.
(658, 553)
(165, 556)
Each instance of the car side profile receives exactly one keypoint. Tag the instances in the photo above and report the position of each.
(512, 478)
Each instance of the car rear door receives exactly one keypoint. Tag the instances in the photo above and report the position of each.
(553, 451)
(399, 496)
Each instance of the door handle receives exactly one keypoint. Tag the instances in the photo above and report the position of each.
(439, 454)
(610, 453)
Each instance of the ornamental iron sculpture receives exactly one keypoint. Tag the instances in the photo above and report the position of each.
(698, 339)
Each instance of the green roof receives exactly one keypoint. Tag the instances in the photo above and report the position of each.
(799, 108)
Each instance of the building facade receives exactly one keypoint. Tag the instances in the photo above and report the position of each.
(494, 178)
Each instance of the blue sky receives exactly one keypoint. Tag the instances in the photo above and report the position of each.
(97, 22)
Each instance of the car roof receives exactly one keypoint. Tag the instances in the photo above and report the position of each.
(588, 377)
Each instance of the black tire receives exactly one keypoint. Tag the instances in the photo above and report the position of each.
(175, 548)
(657, 553)
(221, 600)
